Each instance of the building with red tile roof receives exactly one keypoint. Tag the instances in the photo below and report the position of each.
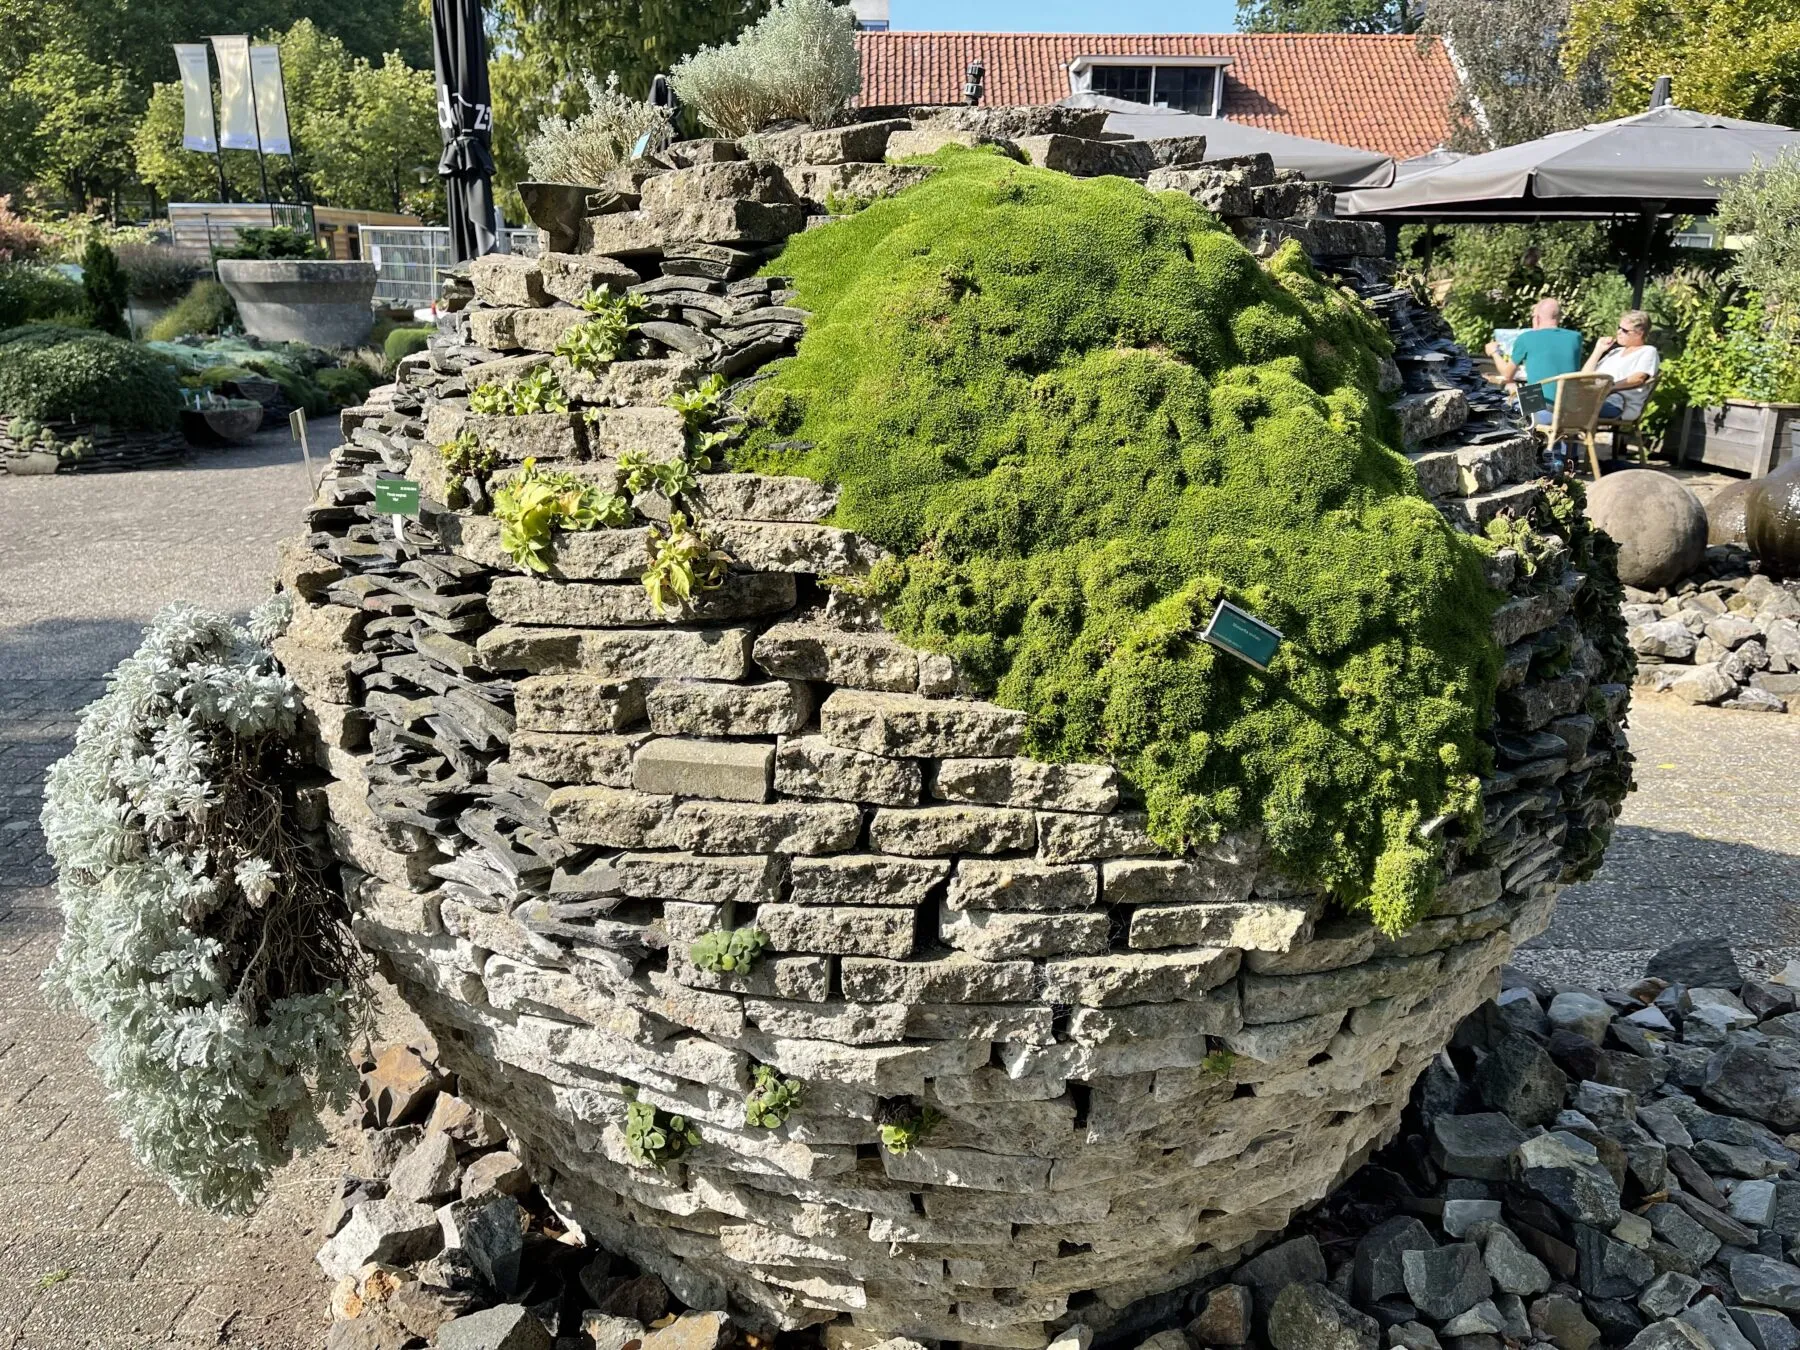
(1372, 91)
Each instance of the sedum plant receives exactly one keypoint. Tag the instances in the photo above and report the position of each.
(598, 341)
(796, 63)
(200, 937)
(772, 1098)
(655, 1138)
(727, 950)
(905, 1126)
(536, 391)
(586, 148)
(536, 501)
(683, 562)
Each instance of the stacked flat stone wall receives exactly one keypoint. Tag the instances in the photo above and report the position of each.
(544, 793)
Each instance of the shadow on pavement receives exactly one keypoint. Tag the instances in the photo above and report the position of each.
(76, 651)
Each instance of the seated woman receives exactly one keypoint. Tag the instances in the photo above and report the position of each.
(1631, 361)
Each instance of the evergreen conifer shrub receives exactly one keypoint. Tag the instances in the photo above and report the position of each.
(1079, 414)
(201, 939)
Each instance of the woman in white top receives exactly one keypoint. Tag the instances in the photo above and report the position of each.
(1631, 361)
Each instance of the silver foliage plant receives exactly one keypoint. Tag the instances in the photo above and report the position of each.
(199, 936)
(797, 63)
(589, 146)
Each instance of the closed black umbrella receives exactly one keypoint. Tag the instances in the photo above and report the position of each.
(466, 119)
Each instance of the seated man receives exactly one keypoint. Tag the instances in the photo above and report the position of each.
(1631, 361)
(1542, 352)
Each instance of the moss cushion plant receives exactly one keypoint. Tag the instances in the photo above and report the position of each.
(1080, 413)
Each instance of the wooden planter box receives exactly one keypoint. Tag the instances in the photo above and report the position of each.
(1749, 437)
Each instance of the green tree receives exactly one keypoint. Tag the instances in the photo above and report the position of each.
(1520, 81)
(104, 289)
(1736, 58)
(81, 114)
(1764, 206)
(637, 39)
(1324, 16)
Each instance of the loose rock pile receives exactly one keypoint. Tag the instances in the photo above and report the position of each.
(85, 448)
(1045, 1074)
(1726, 636)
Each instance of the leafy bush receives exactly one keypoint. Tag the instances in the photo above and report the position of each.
(404, 342)
(1764, 205)
(158, 273)
(590, 145)
(104, 289)
(277, 241)
(345, 386)
(200, 937)
(54, 374)
(797, 62)
(20, 239)
(35, 293)
(207, 308)
(1080, 414)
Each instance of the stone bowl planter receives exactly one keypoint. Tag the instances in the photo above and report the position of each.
(323, 303)
(557, 210)
(233, 424)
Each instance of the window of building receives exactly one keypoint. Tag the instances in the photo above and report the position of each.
(1186, 88)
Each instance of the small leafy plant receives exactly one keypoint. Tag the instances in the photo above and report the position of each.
(656, 1138)
(682, 562)
(699, 406)
(907, 1126)
(536, 391)
(540, 500)
(671, 477)
(599, 340)
(466, 456)
(1219, 1063)
(727, 950)
(772, 1098)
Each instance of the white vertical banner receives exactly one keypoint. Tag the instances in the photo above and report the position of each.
(237, 98)
(271, 100)
(196, 98)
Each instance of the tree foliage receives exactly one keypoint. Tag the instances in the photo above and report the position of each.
(1518, 80)
(1324, 16)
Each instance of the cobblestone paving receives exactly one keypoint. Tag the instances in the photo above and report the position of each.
(95, 1253)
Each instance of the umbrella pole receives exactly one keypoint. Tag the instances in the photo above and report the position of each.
(1640, 272)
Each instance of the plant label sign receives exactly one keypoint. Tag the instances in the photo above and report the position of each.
(1242, 634)
(396, 497)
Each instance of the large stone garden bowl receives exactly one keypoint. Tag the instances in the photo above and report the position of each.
(320, 302)
(232, 423)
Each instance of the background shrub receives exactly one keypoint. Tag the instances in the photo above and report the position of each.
(589, 146)
(404, 342)
(207, 308)
(346, 386)
(103, 289)
(279, 241)
(53, 374)
(20, 239)
(798, 62)
(37, 293)
(159, 274)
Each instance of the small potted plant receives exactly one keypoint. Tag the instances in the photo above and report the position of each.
(287, 290)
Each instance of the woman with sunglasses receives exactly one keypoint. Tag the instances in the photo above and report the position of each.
(1632, 362)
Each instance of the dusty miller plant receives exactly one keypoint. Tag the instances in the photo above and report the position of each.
(200, 936)
(796, 63)
(589, 146)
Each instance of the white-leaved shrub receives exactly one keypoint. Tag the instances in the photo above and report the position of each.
(589, 146)
(200, 936)
(796, 63)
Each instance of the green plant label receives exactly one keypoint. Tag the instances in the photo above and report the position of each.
(1242, 634)
(396, 497)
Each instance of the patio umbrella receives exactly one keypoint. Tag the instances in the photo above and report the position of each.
(465, 118)
(1342, 166)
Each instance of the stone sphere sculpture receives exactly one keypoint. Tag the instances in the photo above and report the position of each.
(1772, 521)
(1725, 512)
(1659, 525)
(833, 849)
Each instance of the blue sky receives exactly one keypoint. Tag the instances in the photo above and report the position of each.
(1067, 16)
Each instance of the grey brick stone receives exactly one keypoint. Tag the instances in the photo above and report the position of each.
(865, 879)
(1066, 838)
(569, 276)
(552, 438)
(757, 496)
(912, 726)
(939, 831)
(655, 433)
(817, 550)
(608, 816)
(1256, 925)
(779, 827)
(1028, 1023)
(690, 767)
(955, 979)
(799, 651)
(1115, 981)
(540, 330)
(703, 708)
(531, 600)
(810, 766)
(575, 757)
(571, 703)
(996, 935)
(646, 382)
(846, 1023)
(1023, 884)
(1027, 782)
(507, 279)
(1216, 1014)
(1135, 881)
(1286, 998)
(620, 654)
(852, 930)
(967, 1168)
(700, 879)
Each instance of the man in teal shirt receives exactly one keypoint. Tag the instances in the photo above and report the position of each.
(1543, 351)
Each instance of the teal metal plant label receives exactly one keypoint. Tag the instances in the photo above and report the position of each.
(1242, 634)
(396, 497)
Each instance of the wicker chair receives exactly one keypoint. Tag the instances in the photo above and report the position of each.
(1624, 430)
(1576, 411)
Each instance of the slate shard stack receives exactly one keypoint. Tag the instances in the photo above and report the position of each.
(1049, 1075)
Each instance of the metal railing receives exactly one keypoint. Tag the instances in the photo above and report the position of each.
(408, 260)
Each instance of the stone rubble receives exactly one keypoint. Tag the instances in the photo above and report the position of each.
(1126, 1069)
(1728, 636)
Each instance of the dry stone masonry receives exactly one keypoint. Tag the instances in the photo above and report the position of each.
(635, 869)
(1726, 636)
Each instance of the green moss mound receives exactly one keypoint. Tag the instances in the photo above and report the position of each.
(1080, 413)
(49, 374)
